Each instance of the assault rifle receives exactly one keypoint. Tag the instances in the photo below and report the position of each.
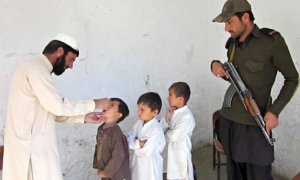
(247, 99)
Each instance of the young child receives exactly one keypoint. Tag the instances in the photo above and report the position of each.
(178, 125)
(147, 140)
(111, 158)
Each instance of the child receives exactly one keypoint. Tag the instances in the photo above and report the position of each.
(147, 140)
(178, 125)
(111, 156)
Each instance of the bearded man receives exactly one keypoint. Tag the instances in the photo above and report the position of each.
(34, 106)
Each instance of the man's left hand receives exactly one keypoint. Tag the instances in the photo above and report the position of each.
(94, 117)
(271, 121)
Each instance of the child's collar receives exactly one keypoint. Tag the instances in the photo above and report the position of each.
(148, 122)
(108, 125)
(181, 108)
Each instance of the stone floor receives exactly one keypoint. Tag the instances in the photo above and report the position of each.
(202, 157)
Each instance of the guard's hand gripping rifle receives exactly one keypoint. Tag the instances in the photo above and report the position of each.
(247, 99)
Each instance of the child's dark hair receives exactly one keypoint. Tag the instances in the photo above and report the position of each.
(181, 89)
(151, 99)
(123, 108)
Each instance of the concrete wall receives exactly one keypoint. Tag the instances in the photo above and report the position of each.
(128, 47)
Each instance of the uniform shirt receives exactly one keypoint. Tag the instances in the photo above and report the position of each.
(258, 60)
(111, 152)
(33, 106)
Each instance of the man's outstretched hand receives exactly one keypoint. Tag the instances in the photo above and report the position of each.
(94, 118)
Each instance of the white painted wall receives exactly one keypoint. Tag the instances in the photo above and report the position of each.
(129, 47)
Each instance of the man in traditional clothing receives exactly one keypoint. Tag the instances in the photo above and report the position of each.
(33, 107)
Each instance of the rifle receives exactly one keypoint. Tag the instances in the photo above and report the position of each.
(247, 99)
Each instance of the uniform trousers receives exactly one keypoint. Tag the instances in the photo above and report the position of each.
(248, 154)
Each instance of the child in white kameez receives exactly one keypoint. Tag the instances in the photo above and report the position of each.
(147, 141)
(178, 125)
